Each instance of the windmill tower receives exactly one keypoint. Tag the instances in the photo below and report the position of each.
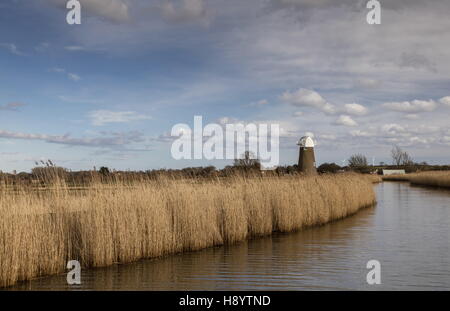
(306, 159)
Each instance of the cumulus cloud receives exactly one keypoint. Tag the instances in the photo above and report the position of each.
(393, 129)
(412, 106)
(304, 97)
(345, 120)
(445, 101)
(400, 134)
(309, 98)
(355, 109)
(111, 10)
(102, 117)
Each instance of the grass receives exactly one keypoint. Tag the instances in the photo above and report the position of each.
(116, 223)
(432, 179)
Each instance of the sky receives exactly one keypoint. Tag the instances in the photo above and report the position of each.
(108, 92)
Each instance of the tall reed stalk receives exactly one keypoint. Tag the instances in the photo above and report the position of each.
(116, 222)
(431, 179)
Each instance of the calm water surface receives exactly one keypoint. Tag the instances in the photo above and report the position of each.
(408, 232)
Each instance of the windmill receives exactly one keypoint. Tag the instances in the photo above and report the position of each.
(306, 159)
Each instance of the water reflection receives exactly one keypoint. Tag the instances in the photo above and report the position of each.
(408, 232)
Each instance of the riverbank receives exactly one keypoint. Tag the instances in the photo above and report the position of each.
(107, 224)
(439, 179)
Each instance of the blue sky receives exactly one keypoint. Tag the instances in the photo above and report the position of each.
(107, 92)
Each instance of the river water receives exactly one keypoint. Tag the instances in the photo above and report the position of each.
(408, 232)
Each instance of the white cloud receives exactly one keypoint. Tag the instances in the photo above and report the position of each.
(102, 117)
(394, 129)
(329, 108)
(355, 109)
(412, 106)
(304, 97)
(310, 134)
(345, 120)
(309, 98)
(445, 101)
(73, 77)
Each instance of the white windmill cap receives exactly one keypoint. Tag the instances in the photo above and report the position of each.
(306, 141)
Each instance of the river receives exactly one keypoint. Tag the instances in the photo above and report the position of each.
(408, 232)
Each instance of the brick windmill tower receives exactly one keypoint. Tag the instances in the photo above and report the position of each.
(306, 159)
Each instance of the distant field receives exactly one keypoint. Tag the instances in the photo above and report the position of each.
(117, 223)
(433, 179)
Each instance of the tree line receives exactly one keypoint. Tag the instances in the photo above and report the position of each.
(401, 159)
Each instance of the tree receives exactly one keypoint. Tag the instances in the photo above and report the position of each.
(104, 171)
(248, 160)
(357, 160)
(400, 157)
(329, 168)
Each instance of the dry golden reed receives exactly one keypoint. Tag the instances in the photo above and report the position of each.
(40, 231)
(432, 178)
(374, 178)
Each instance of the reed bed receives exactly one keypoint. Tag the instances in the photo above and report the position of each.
(375, 179)
(431, 179)
(40, 231)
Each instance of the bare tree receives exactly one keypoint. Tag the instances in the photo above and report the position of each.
(357, 160)
(400, 157)
(248, 160)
